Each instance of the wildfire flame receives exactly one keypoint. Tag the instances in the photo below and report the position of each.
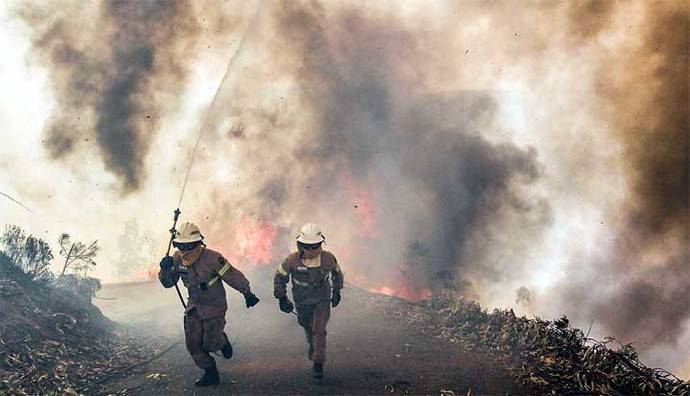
(363, 195)
(405, 294)
(253, 244)
(255, 240)
(399, 286)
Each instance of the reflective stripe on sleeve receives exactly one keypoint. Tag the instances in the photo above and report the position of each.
(282, 270)
(221, 272)
(298, 283)
(225, 269)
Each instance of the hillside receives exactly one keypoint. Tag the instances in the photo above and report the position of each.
(52, 342)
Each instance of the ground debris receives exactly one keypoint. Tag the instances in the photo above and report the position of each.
(400, 386)
(51, 343)
(155, 376)
(547, 357)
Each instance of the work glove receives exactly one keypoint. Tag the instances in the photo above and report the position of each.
(285, 305)
(250, 299)
(166, 263)
(335, 300)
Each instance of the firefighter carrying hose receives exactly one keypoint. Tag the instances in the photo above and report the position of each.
(316, 284)
(202, 270)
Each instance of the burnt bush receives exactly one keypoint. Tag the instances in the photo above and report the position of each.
(26, 257)
(83, 287)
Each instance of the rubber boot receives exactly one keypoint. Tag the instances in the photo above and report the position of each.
(227, 348)
(317, 371)
(209, 378)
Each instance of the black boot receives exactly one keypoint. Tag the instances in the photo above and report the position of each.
(317, 371)
(209, 378)
(227, 348)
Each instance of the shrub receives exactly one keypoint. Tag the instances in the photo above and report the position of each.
(28, 257)
(84, 287)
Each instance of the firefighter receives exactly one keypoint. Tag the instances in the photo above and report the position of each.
(316, 284)
(202, 270)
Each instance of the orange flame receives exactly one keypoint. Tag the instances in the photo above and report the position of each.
(254, 240)
(410, 294)
(363, 196)
(252, 243)
(399, 286)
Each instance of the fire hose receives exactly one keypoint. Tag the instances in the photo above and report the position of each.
(204, 126)
(173, 233)
(15, 201)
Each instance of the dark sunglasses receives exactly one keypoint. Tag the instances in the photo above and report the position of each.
(310, 246)
(185, 247)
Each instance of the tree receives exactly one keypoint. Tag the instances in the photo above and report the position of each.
(29, 254)
(79, 257)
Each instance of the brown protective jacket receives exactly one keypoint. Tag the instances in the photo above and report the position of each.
(309, 285)
(210, 302)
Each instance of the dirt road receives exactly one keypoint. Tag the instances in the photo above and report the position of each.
(368, 353)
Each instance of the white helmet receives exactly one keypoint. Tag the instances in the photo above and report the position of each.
(188, 233)
(310, 233)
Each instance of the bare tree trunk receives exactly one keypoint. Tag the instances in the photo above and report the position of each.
(67, 258)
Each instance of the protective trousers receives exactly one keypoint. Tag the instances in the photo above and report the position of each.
(313, 318)
(202, 337)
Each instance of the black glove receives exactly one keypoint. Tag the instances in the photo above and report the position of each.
(335, 300)
(166, 263)
(250, 299)
(285, 305)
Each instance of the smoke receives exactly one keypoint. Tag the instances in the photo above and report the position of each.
(588, 18)
(417, 191)
(475, 147)
(403, 179)
(116, 68)
(645, 96)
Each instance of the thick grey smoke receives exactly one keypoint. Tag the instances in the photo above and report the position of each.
(116, 67)
(645, 96)
(408, 173)
(421, 196)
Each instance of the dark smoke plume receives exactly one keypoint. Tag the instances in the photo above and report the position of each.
(368, 142)
(589, 18)
(646, 91)
(116, 66)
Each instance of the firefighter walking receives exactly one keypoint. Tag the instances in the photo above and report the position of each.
(203, 271)
(316, 284)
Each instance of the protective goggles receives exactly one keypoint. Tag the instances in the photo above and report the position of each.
(185, 247)
(310, 246)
